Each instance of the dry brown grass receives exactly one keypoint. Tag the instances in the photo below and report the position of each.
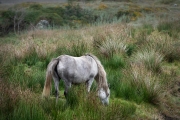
(47, 41)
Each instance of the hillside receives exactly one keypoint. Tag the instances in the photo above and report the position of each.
(137, 42)
(21, 1)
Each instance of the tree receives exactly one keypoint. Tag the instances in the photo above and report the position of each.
(18, 19)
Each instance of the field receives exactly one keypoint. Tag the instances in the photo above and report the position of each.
(138, 43)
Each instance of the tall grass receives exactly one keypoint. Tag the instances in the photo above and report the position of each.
(80, 105)
(149, 58)
(28, 111)
(111, 47)
(148, 84)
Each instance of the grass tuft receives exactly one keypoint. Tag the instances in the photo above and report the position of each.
(149, 58)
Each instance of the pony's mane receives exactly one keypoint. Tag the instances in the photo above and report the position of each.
(102, 81)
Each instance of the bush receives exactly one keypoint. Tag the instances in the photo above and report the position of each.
(53, 18)
(134, 14)
(6, 22)
(32, 17)
(71, 15)
(167, 1)
(118, 0)
(102, 7)
(36, 7)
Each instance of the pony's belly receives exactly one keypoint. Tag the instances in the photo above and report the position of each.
(78, 81)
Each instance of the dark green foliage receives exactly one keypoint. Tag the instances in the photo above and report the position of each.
(6, 21)
(36, 7)
(32, 17)
(8, 14)
(53, 18)
(58, 10)
(167, 1)
(131, 49)
(57, 16)
(118, 0)
(80, 0)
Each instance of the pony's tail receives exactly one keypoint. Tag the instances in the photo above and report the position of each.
(49, 74)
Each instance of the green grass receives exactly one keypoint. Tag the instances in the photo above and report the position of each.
(26, 111)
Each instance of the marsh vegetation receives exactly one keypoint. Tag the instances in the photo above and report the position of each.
(138, 45)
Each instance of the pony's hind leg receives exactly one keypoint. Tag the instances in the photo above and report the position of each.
(67, 86)
(56, 83)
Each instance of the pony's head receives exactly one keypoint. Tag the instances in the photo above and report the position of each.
(103, 87)
(104, 94)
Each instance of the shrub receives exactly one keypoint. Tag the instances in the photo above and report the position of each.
(32, 17)
(36, 7)
(71, 15)
(132, 13)
(6, 22)
(53, 18)
(167, 1)
(118, 0)
(102, 7)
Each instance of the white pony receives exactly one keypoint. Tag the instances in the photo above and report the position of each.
(76, 70)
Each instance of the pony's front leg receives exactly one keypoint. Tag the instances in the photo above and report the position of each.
(89, 84)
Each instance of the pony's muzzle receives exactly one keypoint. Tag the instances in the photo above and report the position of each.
(105, 101)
